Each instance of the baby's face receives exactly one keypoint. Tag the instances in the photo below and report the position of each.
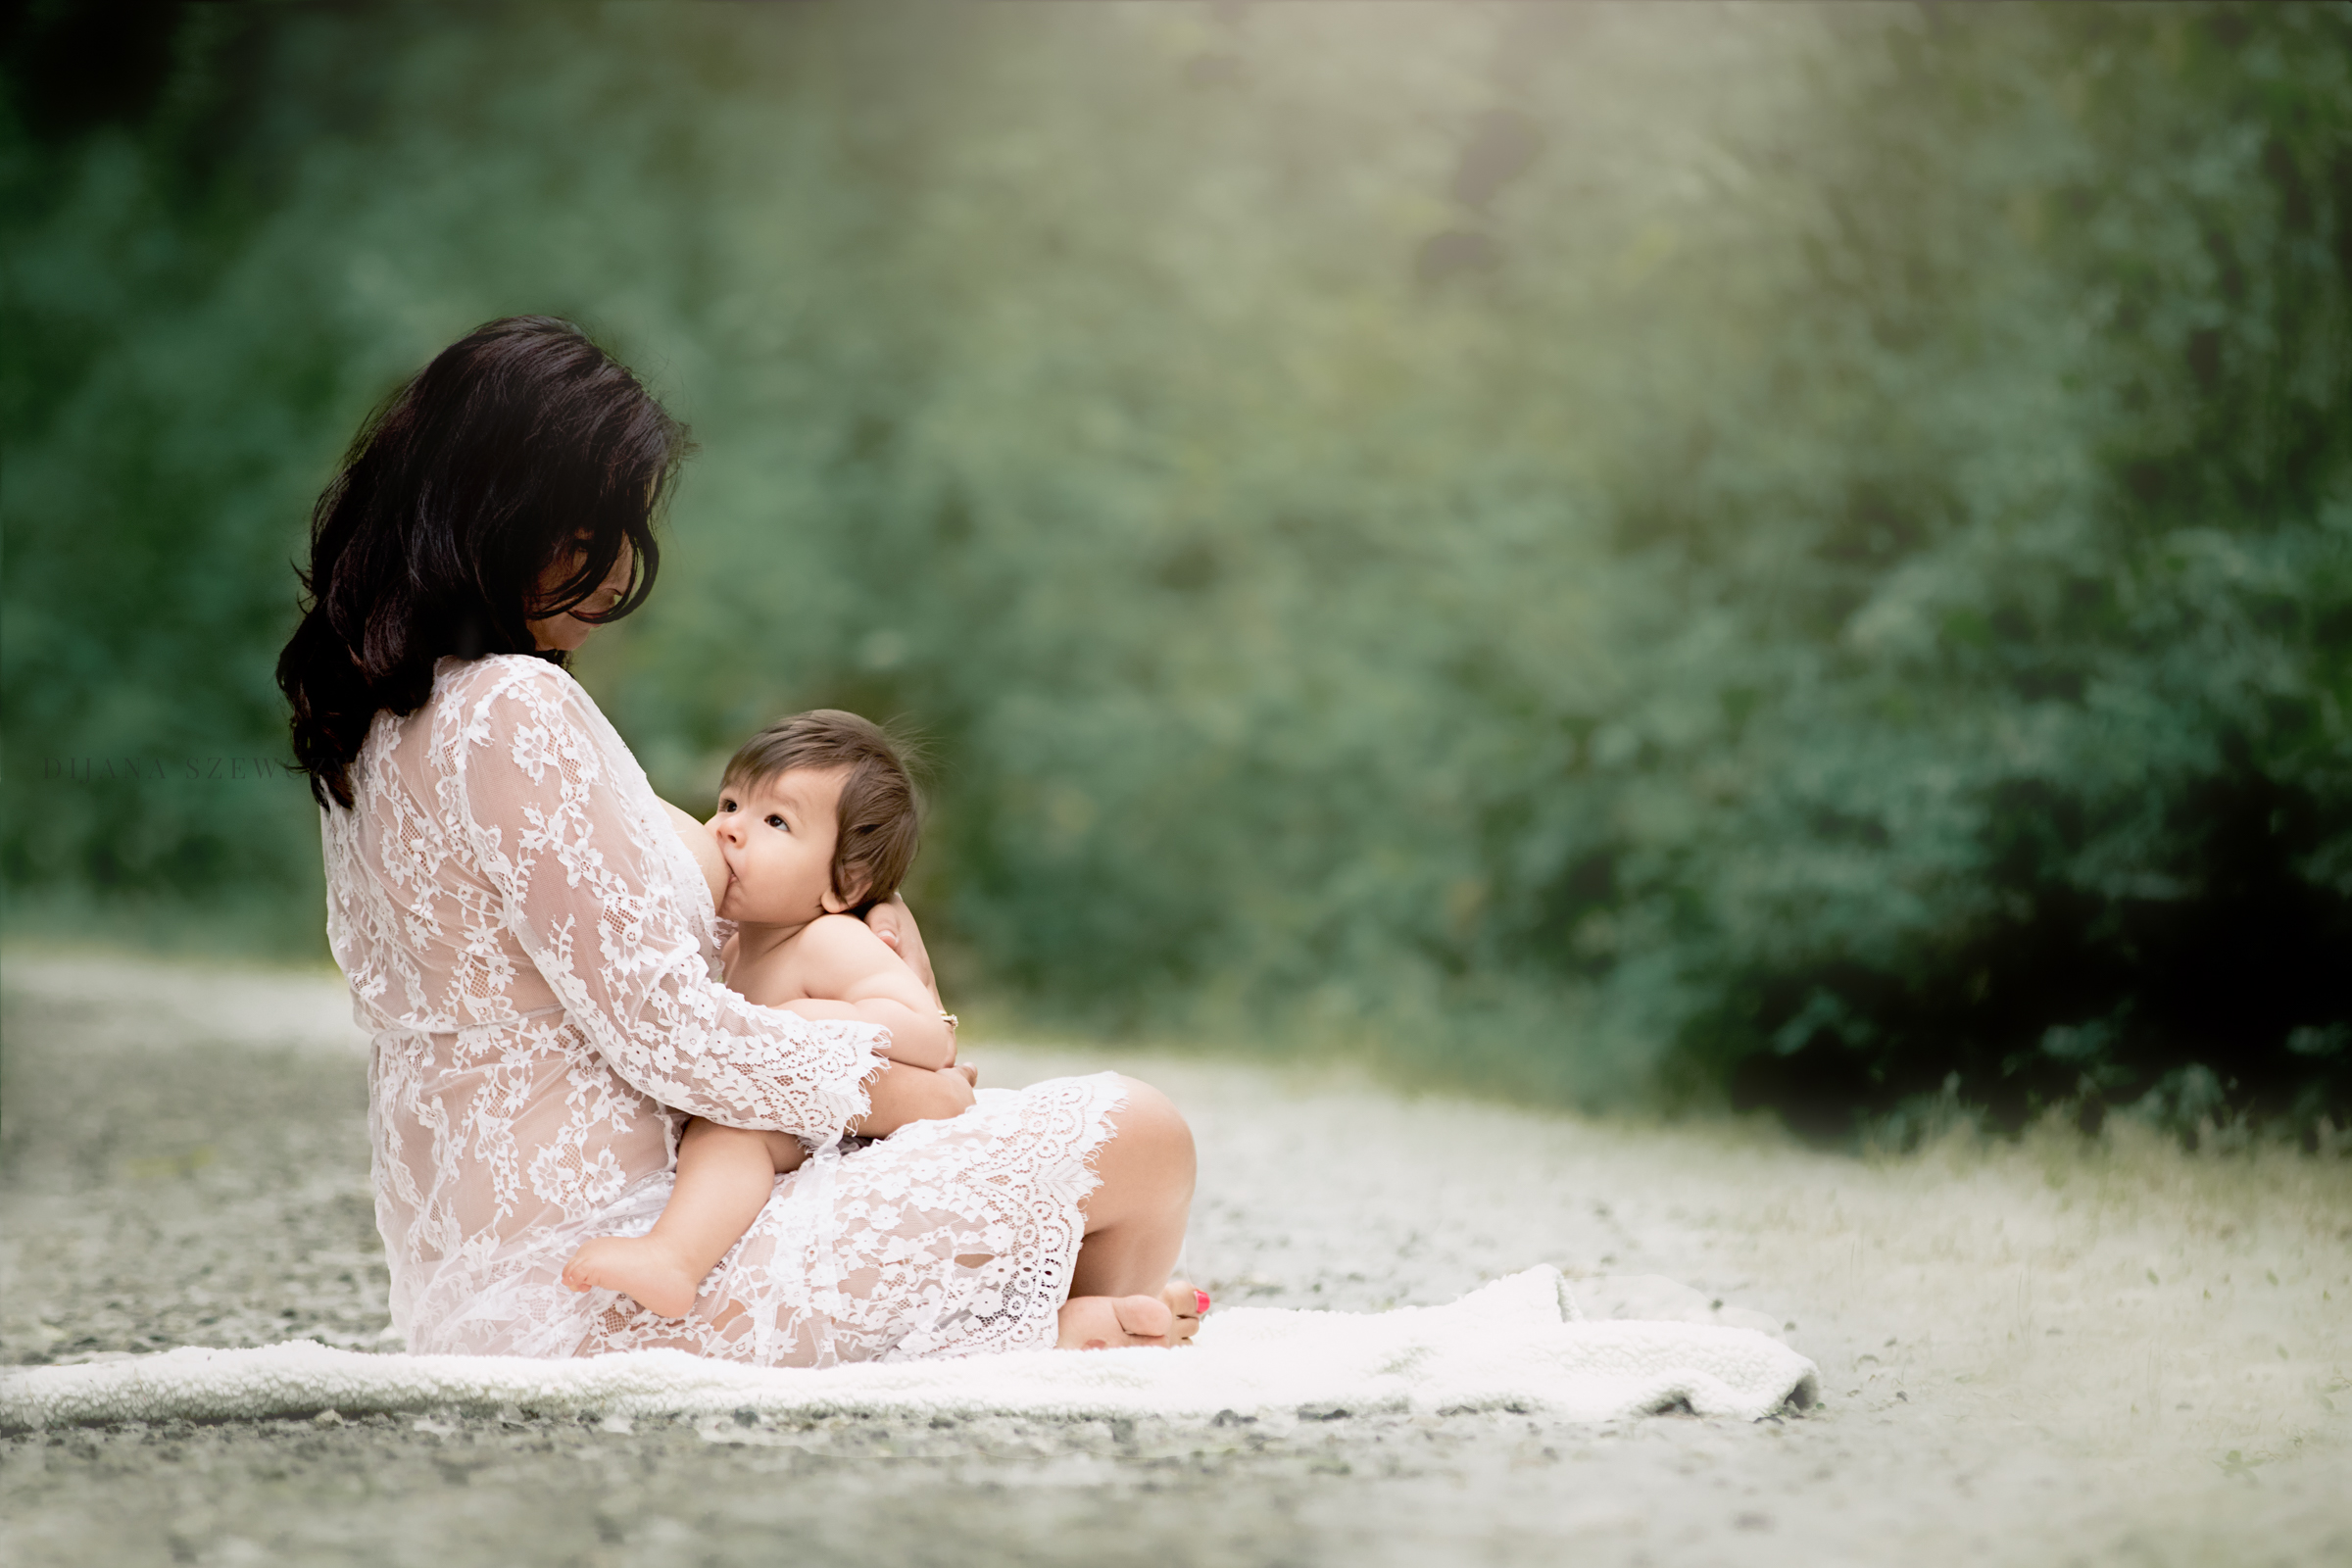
(777, 837)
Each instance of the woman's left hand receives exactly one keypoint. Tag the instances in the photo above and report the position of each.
(893, 923)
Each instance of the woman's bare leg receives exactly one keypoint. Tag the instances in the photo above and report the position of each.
(1134, 1229)
(725, 1175)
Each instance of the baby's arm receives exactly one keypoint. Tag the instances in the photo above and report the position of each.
(849, 972)
(702, 845)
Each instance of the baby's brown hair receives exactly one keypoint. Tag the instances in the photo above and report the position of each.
(880, 818)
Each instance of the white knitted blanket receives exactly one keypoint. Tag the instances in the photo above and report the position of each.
(1520, 1343)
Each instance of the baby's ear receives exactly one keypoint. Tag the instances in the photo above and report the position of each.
(835, 902)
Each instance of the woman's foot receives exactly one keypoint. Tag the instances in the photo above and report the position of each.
(641, 1267)
(1128, 1322)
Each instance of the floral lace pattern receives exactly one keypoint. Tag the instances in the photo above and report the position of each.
(535, 956)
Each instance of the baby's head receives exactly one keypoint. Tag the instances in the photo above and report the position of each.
(817, 814)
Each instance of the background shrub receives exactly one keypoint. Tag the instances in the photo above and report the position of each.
(1798, 557)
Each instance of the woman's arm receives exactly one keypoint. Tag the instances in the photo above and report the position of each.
(531, 773)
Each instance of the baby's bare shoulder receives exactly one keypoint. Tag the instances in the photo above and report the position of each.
(839, 937)
(834, 952)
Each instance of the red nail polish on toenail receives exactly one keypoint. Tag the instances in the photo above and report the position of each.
(1202, 1296)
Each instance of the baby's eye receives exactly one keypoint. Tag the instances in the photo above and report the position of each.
(773, 820)
(726, 805)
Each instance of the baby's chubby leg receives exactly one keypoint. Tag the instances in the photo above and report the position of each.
(725, 1175)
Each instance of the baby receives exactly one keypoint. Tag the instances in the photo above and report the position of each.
(817, 823)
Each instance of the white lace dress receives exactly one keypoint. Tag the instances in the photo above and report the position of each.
(535, 956)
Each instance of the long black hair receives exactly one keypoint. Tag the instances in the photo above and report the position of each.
(521, 442)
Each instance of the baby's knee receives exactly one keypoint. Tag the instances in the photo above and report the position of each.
(711, 1140)
(1150, 1119)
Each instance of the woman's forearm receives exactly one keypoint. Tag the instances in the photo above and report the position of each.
(905, 1093)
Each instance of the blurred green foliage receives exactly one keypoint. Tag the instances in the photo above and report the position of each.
(1623, 553)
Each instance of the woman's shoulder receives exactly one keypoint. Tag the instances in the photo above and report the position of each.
(475, 683)
(532, 701)
(477, 700)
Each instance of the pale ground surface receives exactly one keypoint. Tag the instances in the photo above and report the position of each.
(2046, 1354)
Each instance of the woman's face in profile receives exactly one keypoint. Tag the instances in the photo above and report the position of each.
(563, 630)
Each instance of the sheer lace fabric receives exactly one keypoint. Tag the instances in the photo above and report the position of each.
(535, 957)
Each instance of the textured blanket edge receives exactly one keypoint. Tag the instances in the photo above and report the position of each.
(1514, 1344)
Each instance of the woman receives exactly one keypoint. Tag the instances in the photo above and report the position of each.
(534, 952)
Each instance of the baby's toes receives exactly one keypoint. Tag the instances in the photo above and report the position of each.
(592, 1266)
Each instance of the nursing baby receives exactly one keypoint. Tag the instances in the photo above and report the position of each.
(818, 822)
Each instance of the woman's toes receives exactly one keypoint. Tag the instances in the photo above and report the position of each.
(1087, 1323)
(1185, 1305)
(1113, 1323)
(1145, 1318)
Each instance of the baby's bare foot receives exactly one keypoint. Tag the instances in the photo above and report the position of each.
(1115, 1323)
(1187, 1305)
(639, 1267)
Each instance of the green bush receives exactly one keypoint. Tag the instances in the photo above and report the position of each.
(1796, 557)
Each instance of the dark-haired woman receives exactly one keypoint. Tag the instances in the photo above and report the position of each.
(534, 952)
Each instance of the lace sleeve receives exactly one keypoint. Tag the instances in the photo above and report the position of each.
(551, 827)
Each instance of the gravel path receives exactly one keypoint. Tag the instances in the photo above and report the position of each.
(2041, 1353)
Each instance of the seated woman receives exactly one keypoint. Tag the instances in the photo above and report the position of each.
(536, 951)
